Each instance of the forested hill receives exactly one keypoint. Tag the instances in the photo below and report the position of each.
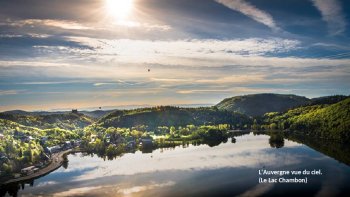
(173, 116)
(259, 104)
(93, 114)
(66, 120)
(327, 99)
(325, 121)
(97, 113)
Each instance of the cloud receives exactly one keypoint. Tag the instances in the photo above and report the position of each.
(332, 13)
(81, 191)
(250, 11)
(236, 91)
(45, 82)
(251, 46)
(64, 24)
(46, 183)
(236, 79)
(202, 91)
(206, 52)
(258, 190)
(102, 26)
(9, 92)
(136, 189)
(103, 84)
(145, 26)
(170, 80)
(119, 189)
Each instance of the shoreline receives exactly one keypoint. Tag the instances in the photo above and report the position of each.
(57, 162)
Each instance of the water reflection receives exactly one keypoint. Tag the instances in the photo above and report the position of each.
(276, 140)
(225, 168)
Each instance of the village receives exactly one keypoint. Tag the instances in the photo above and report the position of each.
(49, 156)
(52, 156)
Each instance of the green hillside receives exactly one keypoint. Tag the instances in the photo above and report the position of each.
(67, 120)
(172, 116)
(324, 121)
(96, 114)
(259, 104)
(327, 99)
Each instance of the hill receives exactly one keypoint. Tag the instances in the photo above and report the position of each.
(327, 99)
(97, 113)
(93, 114)
(66, 120)
(259, 104)
(172, 116)
(324, 121)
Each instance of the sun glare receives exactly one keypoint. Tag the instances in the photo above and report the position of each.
(119, 9)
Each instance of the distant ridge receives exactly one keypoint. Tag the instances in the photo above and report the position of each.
(259, 104)
(66, 120)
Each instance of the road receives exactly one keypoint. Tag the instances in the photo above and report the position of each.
(56, 162)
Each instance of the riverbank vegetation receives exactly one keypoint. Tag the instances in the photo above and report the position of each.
(320, 121)
(115, 141)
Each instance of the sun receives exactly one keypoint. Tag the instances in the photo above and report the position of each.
(119, 9)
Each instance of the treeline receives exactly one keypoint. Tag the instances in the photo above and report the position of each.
(69, 121)
(169, 116)
(112, 142)
(322, 121)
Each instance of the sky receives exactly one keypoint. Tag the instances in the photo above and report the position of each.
(85, 54)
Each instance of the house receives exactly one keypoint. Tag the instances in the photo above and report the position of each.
(16, 175)
(54, 149)
(29, 170)
(3, 158)
(108, 138)
(26, 139)
(93, 138)
(46, 155)
(43, 140)
(146, 142)
(67, 145)
(39, 165)
(47, 151)
(77, 143)
(131, 145)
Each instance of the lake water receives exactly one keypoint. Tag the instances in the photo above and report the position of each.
(228, 169)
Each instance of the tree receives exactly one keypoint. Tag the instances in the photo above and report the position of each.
(172, 130)
(255, 125)
(273, 126)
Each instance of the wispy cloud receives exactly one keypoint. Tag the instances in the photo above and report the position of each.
(80, 191)
(251, 11)
(103, 84)
(257, 190)
(46, 82)
(251, 46)
(74, 25)
(332, 13)
(135, 189)
(8, 92)
(64, 24)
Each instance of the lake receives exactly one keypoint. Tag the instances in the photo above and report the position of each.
(228, 169)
